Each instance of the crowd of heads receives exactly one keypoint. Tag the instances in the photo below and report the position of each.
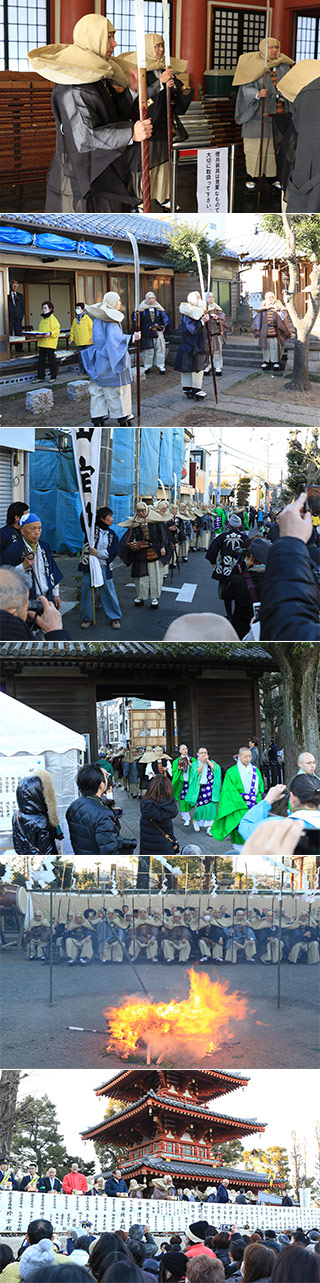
(203, 1254)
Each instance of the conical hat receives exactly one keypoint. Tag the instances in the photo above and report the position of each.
(84, 61)
(154, 755)
(107, 310)
(144, 513)
(251, 65)
(299, 77)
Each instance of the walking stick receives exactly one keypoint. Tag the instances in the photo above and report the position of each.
(135, 252)
(262, 106)
(204, 301)
(165, 10)
(209, 272)
(143, 102)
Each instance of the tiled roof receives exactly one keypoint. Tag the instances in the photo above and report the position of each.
(165, 653)
(128, 1077)
(260, 246)
(148, 230)
(206, 1114)
(199, 1170)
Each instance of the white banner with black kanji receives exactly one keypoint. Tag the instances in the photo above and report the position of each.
(86, 448)
(161, 1215)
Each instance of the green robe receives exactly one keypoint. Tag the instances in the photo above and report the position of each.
(178, 782)
(232, 807)
(208, 811)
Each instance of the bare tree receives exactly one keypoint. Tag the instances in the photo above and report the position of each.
(303, 325)
(299, 664)
(9, 1087)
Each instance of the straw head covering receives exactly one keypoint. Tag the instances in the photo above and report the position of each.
(301, 75)
(251, 65)
(85, 60)
(107, 310)
(192, 307)
(128, 61)
(155, 755)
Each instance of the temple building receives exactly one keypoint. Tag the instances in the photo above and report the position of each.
(170, 1125)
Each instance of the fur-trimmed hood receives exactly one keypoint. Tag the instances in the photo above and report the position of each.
(36, 793)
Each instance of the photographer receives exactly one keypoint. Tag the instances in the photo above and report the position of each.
(15, 615)
(290, 592)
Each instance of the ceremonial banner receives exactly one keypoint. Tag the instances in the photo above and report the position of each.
(167, 1216)
(86, 448)
(212, 183)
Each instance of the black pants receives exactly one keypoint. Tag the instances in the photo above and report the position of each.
(50, 353)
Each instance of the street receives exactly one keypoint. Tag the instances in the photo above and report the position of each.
(35, 1035)
(190, 591)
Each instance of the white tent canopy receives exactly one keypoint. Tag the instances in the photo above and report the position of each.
(24, 730)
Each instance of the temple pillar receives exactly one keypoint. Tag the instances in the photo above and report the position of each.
(190, 38)
(281, 26)
(63, 17)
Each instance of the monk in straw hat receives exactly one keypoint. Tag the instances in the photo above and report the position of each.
(147, 550)
(300, 152)
(190, 358)
(251, 98)
(158, 76)
(107, 362)
(96, 139)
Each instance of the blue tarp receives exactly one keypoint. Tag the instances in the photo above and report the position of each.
(54, 497)
(47, 240)
(57, 244)
(99, 251)
(122, 508)
(122, 464)
(15, 236)
(149, 460)
(172, 453)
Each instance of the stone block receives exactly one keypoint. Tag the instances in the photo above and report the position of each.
(40, 400)
(78, 390)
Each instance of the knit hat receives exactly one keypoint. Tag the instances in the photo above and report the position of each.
(136, 1231)
(85, 60)
(303, 787)
(176, 1263)
(259, 549)
(28, 518)
(197, 1231)
(234, 521)
(107, 310)
(35, 1256)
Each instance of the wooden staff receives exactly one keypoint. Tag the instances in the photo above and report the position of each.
(165, 10)
(205, 307)
(137, 316)
(143, 102)
(262, 106)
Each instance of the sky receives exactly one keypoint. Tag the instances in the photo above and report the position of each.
(283, 1099)
(248, 449)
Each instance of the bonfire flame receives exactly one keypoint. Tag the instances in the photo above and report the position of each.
(202, 1021)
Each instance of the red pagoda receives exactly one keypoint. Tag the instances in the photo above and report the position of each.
(168, 1127)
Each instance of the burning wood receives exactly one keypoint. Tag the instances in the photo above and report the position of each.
(176, 1029)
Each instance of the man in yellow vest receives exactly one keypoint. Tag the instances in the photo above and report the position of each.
(49, 328)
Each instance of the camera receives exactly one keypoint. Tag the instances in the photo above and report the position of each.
(36, 605)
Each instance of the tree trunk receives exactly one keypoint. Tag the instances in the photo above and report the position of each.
(9, 1086)
(299, 663)
(300, 377)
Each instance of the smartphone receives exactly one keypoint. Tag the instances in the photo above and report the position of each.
(256, 609)
(312, 503)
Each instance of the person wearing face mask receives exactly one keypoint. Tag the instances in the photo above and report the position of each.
(271, 328)
(242, 788)
(81, 330)
(49, 328)
(190, 358)
(97, 141)
(252, 98)
(204, 790)
(107, 362)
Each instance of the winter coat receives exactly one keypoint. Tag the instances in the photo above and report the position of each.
(223, 1255)
(12, 628)
(157, 816)
(113, 1187)
(35, 823)
(242, 588)
(222, 1194)
(92, 827)
(290, 595)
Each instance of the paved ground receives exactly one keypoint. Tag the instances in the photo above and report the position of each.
(190, 591)
(164, 404)
(36, 1036)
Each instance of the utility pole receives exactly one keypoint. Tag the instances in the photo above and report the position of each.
(219, 467)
